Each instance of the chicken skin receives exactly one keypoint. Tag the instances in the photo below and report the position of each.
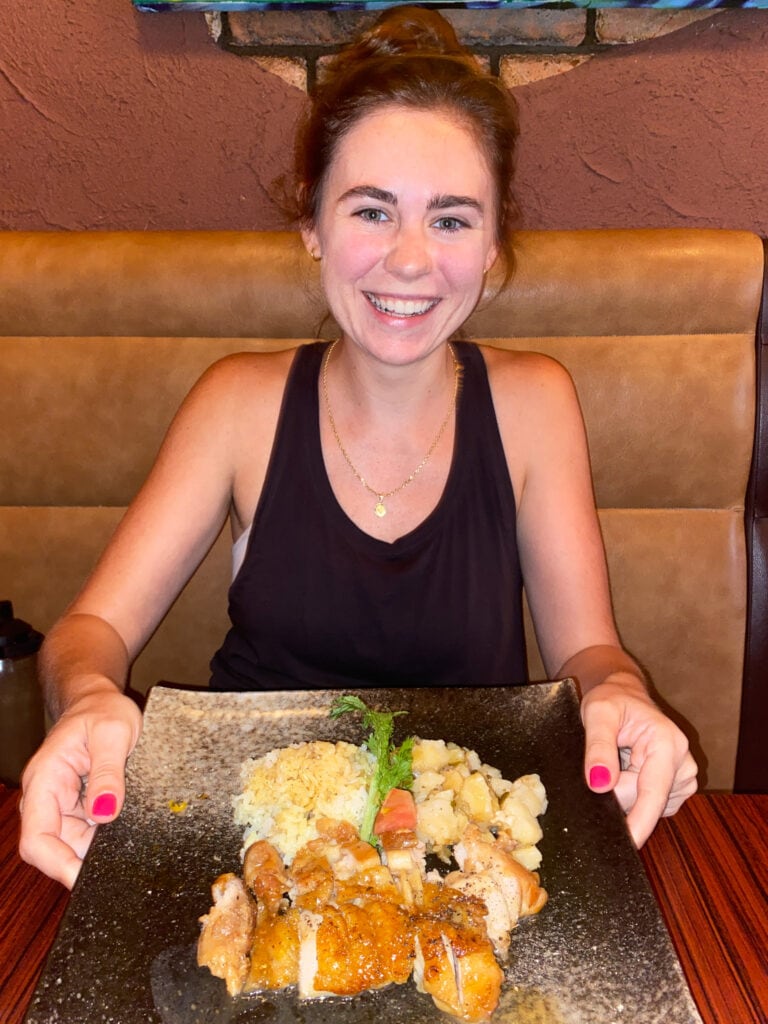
(455, 963)
(343, 919)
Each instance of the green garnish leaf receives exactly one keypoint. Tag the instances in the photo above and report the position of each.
(394, 765)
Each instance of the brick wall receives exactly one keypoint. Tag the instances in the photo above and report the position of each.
(522, 46)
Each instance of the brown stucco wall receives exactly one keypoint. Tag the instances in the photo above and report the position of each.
(114, 119)
(664, 133)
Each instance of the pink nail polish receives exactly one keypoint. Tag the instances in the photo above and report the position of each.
(599, 776)
(104, 806)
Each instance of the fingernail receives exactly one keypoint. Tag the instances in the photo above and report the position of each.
(599, 776)
(105, 805)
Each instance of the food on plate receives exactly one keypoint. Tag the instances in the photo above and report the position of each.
(335, 897)
(287, 791)
(392, 766)
(453, 788)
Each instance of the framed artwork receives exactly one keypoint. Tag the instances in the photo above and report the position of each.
(375, 5)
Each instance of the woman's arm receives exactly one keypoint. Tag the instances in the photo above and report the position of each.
(212, 461)
(566, 583)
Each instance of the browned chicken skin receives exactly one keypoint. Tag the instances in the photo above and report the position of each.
(353, 956)
(340, 922)
(455, 963)
(274, 952)
(265, 875)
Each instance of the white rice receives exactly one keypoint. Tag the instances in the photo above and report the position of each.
(285, 792)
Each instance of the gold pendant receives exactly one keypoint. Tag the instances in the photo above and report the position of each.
(380, 508)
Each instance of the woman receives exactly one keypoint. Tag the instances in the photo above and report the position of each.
(388, 492)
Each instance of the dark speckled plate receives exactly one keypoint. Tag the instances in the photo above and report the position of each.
(597, 954)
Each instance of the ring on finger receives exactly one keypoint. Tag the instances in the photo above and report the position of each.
(625, 760)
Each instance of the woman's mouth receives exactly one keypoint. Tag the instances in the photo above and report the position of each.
(401, 307)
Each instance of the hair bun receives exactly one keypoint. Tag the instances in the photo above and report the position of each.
(408, 30)
(408, 58)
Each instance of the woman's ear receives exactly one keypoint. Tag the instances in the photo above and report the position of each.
(311, 243)
(490, 259)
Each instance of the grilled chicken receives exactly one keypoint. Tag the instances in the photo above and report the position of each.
(352, 931)
(226, 939)
(340, 921)
(405, 856)
(274, 952)
(346, 852)
(338, 855)
(479, 854)
(455, 963)
(353, 947)
(265, 875)
(498, 919)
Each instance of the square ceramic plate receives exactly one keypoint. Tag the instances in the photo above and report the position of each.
(598, 952)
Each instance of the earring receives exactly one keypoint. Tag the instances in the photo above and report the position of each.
(316, 256)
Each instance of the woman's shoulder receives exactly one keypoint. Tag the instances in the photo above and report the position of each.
(238, 394)
(537, 411)
(526, 376)
(231, 415)
(240, 371)
(241, 383)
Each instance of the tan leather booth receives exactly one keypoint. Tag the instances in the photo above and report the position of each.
(102, 333)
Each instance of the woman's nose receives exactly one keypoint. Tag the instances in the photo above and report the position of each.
(409, 255)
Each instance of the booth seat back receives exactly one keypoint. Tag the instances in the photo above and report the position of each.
(102, 334)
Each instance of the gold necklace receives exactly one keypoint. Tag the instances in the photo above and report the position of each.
(380, 509)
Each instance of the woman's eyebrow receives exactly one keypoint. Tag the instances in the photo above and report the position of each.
(448, 201)
(381, 195)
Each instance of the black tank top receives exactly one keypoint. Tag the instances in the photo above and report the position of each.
(320, 604)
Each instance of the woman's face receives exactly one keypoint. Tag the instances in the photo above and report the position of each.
(405, 231)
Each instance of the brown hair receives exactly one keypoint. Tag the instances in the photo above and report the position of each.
(410, 57)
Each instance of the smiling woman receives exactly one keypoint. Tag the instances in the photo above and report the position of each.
(405, 233)
(476, 457)
(410, 61)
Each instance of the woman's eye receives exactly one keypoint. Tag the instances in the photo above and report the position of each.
(371, 215)
(450, 224)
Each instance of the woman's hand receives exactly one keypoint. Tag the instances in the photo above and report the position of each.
(76, 780)
(658, 774)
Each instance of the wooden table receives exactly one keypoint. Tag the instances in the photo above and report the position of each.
(708, 867)
(31, 907)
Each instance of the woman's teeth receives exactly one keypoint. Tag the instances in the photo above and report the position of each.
(401, 307)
